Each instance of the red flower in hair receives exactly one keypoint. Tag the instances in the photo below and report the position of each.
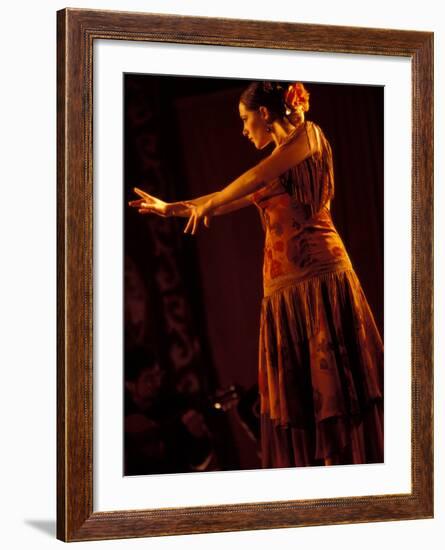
(296, 96)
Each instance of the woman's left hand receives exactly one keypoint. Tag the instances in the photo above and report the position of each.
(198, 213)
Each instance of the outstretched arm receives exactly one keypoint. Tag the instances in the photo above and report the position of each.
(149, 204)
(279, 161)
(230, 206)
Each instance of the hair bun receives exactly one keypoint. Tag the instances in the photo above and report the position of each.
(272, 87)
(273, 95)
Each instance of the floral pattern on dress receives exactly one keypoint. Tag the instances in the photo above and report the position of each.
(320, 352)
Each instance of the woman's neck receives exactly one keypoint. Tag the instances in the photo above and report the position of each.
(281, 131)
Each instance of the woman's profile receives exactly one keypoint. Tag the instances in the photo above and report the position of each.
(320, 365)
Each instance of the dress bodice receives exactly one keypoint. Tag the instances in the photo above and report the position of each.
(300, 238)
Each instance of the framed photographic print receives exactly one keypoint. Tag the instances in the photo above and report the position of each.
(244, 217)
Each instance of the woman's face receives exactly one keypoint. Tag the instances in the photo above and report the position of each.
(254, 126)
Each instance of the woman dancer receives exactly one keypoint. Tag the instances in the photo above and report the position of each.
(320, 353)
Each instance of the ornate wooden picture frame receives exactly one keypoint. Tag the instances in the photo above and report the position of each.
(77, 31)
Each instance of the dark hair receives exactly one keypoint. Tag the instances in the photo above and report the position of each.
(273, 95)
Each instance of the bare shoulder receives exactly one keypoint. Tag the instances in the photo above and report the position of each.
(308, 137)
(304, 142)
(315, 137)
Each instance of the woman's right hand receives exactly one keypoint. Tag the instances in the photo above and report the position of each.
(148, 204)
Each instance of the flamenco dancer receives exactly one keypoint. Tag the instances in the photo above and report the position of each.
(320, 370)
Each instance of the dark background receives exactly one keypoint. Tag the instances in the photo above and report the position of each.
(195, 300)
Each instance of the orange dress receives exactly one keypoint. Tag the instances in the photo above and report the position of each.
(320, 352)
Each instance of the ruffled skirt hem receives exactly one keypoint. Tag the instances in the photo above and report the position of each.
(335, 440)
(320, 374)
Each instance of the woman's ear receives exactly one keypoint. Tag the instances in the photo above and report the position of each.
(265, 114)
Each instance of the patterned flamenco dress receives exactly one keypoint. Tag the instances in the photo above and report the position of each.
(320, 352)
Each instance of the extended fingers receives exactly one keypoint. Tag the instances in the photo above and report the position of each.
(150, 210)
(195, 225)
(141, 193)
(192, 224)
(189, 224)
(141, 204)
(137, 202)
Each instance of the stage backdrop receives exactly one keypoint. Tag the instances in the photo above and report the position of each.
(198, 298)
